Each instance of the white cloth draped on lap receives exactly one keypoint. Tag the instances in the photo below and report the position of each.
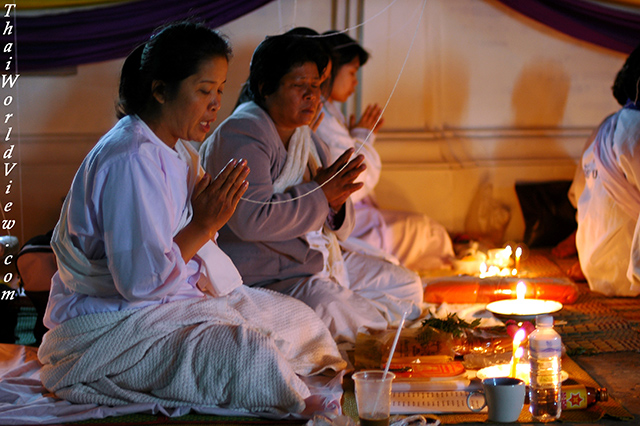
(301, 153)
(243, 351)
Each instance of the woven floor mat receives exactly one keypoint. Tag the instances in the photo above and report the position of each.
(538, 265)
(594, 323)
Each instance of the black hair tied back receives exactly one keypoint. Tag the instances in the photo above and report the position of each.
(131, 84)
(172, 54)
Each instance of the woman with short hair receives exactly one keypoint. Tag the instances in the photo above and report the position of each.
(284, 233)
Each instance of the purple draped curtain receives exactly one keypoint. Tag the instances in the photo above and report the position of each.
(606, 25)
(100, 34)
(72, 38)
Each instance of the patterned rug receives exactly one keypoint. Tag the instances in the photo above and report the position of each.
(594, 323)
(598, 324)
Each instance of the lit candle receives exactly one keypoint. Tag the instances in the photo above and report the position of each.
(517, 340)
(518, 256)
(521, 290)
(505, 257)
(483, 270)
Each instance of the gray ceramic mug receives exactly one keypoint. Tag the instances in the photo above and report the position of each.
(504, 397)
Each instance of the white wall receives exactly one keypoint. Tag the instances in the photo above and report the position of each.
(486, 95)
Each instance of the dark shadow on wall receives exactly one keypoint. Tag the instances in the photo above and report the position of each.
(455, 92)
(540, 95)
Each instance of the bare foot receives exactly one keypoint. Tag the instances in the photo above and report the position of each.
(566, 247)
(575, 272)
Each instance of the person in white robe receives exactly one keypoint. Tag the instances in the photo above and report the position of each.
(606, 192)
(145, 307)
(418, 241)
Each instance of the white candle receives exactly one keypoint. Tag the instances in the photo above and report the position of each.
(521, 290)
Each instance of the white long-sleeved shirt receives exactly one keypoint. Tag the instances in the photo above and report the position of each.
(334, 132)
(129, 198)
(608, 239)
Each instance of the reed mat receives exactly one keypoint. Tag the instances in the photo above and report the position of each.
(594, 323)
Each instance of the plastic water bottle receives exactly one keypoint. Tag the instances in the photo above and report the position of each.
(545, 353)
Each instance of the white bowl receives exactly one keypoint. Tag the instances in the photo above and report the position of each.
(503, 370)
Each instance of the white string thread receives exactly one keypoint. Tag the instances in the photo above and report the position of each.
(346, 30)
(359, 148)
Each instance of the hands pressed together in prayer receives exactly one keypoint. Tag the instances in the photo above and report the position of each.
(339, 188)
(369, 119)
(214, 200)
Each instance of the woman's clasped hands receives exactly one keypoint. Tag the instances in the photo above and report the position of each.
(371, 119)
(338, 188)
(215, 199)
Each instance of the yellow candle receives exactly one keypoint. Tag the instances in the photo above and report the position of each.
(517, 340)
(518, 256)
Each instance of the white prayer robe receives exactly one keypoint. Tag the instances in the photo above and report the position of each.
(418, 241)
(129, 198)
(608, 236)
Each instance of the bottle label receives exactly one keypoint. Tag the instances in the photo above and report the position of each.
(574, 399)
(544, 380)
(547, 372)
(545, 348)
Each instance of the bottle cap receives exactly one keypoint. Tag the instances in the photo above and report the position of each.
(544, 320)
(602, 394)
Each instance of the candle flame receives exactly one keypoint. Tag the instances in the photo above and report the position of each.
(517, 340)
(521, 290)
(518, 252)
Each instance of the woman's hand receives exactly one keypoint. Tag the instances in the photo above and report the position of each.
(339, 188)
(369, 119)
(215, 200)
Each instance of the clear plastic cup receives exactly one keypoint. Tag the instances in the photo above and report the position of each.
(373, 396)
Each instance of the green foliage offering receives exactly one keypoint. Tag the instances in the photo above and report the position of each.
(451, 324)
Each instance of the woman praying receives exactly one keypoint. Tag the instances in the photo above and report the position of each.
(284, 233)
(419, 242)
(145, 307)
